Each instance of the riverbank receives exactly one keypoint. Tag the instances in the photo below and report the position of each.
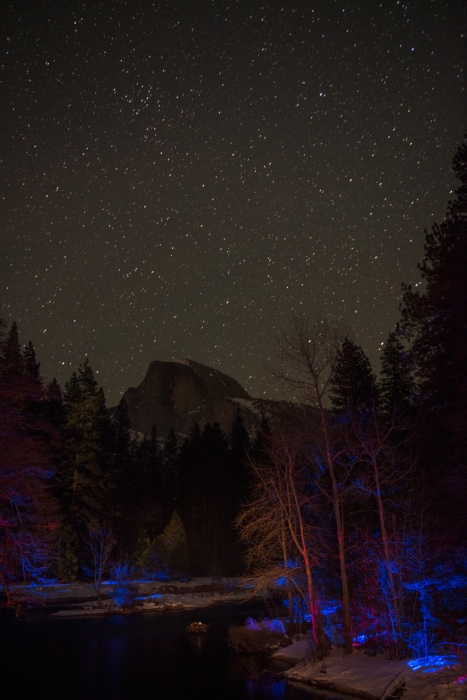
(376, 678)
(80, 599)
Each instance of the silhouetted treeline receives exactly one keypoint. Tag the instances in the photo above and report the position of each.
(69, 469)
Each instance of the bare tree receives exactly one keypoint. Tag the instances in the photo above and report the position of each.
(377, 446)
(274, 524)
(308, 355)
(100, 541)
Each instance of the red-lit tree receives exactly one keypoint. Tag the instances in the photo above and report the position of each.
(309, 353)
(28, 509)
(275, 524)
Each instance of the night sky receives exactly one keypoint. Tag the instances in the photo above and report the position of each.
(177, 178)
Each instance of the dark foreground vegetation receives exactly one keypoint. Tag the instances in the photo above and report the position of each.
(353, 499)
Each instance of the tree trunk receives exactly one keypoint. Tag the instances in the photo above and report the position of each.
(340, 540)
(387, 555)
(289, 591)
(73, 493)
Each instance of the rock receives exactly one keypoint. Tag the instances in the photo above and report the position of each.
(197, 628)
(177, 394)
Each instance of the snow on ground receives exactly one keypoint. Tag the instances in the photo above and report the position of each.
(376, 678)
(146, 595)
(296, 652)
(248, 404)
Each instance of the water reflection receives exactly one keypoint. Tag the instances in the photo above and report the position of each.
(197, 642)
(137, 657)
(265, 688)
(260, 676)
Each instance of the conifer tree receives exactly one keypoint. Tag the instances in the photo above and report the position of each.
(121, 426)
(169, 453)
(171, 546)
(88, 444)
(434, 320)
(193, 500)
(54, 404)
(28, 509)
(263, 433)
(32, 367)
(169, 470)
(353, 382)
(12, 359)
(239, 440)
(240, 449)
(396, 386)
(207, 493)
(149, 462)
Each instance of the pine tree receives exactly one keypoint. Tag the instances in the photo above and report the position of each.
(239, 440)
(28, 510)
(396, 386)
(170, 470)
(54, 404)
(169, 452)
(65, 565)
(353, 382)
(12, 359)
(122, 435)
(32, 367)
(88, 445)
(206, 489)
(173, 545)
(149, 462)
(435, 321)
(193, 499)
(263, 433)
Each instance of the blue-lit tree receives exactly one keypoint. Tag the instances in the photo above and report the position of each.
(309, 353)
(99, 540)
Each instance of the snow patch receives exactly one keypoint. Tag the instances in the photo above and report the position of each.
(373, 678)
(248, 404)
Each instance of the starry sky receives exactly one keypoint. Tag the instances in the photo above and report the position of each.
(178, 177)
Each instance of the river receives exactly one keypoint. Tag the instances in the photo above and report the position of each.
(135, 657)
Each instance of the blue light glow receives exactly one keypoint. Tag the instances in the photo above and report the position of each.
(431, 664)
(149, 597)
(265, 625)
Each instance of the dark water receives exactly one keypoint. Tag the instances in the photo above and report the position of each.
(134, 657)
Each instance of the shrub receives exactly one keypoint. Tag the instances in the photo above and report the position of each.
(265, 625)
(242, 639)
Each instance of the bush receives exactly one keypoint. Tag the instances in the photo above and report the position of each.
(124, 594)
(265, 624)
(242, 639)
